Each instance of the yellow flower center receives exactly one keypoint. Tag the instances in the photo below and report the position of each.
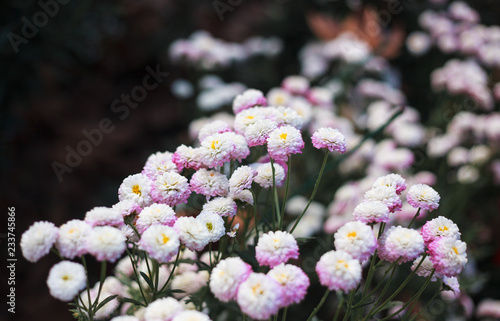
(250, 117)
(72, 231)
(280, 100)
(455, 250)
(257, 290)
(444, 228)
(352, 234)
(65, 277)
(165, 239)
(136, 189)
(283, 136)
(214, 143)
(210, 227)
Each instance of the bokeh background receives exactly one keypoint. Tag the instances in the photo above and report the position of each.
(64, 79)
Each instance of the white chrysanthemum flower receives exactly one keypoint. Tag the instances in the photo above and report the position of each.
(171, 188)
(277, 247)
(357, 239)
(71, 241)
(100, 216)
(248, 117)
(215, 150)
(392, 180)
(259, 296)
(439, 227)
(227, 276)
(189, 282)
(303, 108)
(192, 233)
(278, 97)
(423, 196)
(37, 241)
(288, 116)
(265, 175)
(127, 207)
(418, 43)
(214, 225)
(191, 316)
(213, 127)
(293, 281)
(257, 133)
(163, 309)
(283, 142)
(136, 188)
(240, 149)
(155, 214)
(400, 244)
(468, 174)
(425, 268)
(330, 138)
(337, 270)
(248, 99)
(160, 242)
(209, 183)
(241, 179)
(222, 206)
(106, 243)
(371, 212)
(112, 286)
(66, 279)
(159, 163)
(385, 194)
(244, 196)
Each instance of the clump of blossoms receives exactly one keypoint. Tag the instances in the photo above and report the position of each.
(193, 237)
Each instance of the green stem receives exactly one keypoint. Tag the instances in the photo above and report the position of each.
(284, 314)
(275, 195)
(401, 287)
(316, 185)
(414, 217)
(101, 281)
(89, 310)
(426, 304)
(371, 270)
(173, 270)
(349, 305)
(137, 276)
(320, 304)
(282, 216)
(379, 284)
(339, 306)
(255, 214)
(413, 299)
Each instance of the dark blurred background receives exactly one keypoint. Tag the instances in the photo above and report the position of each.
(64, 79)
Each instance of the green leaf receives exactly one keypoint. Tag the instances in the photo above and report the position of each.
(148, 280)
(109, 298)
(130, 300)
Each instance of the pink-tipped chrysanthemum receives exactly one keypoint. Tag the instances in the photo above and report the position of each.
(385, 194)
(209, 183)
(106, 243)
(277, 247)
(222, 206)
(400, 244)
(293, 281)
(392, 180)
(192, 233)
(155, 214)
(160, 242)
(37, 241)
(213, 127)
(439, 227)
(171, 189)
(296, 85)
(337, 270)
(101, 216)
(283, 142)
(215, 150)
(371, 212)
(137, 188)
(227, 276)
(187, 157)
(257, 133)
(159, 163)
(240, 149)
(259, 296)
(127, 207)
(330, 138)
(357, 239)
(248, 99)
(423, 196)
(242, 179)
(72, 238)
(265, 175)
(448, 255)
